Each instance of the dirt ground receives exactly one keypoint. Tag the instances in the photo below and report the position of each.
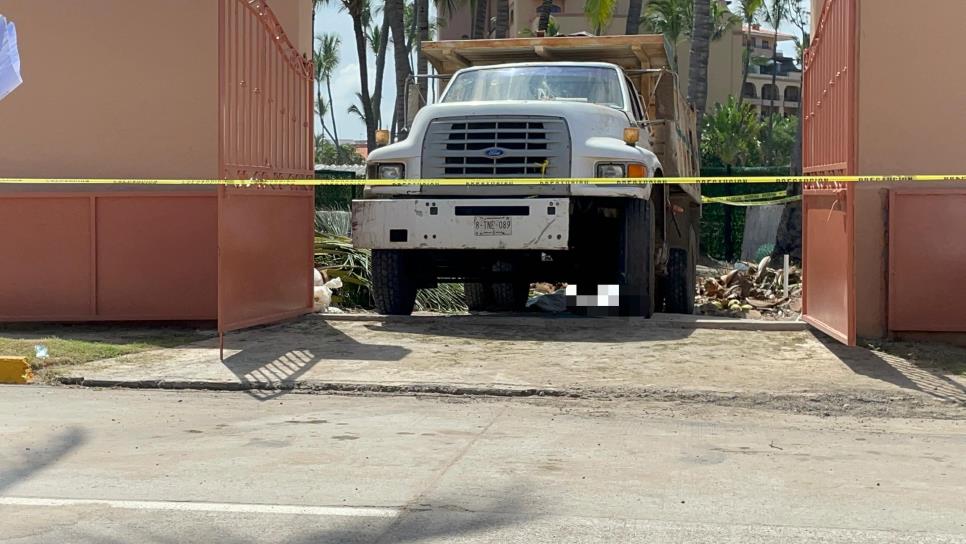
(795, 370)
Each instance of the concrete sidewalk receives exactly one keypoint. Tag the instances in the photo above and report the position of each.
(518, 355)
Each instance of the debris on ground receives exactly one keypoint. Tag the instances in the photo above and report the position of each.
(749, 290)
(322, 292)
(552, 302)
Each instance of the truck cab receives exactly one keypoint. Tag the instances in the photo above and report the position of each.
(546, 121)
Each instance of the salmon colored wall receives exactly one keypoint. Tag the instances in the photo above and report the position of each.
(911, 107)
(295, 17)
(144, 254)
(872, 252)
(912, 91)
(113, 88)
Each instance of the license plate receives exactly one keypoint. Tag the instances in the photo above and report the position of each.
(492, 226)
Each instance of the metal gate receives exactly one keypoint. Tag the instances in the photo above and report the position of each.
(265, 234)
(829, 139)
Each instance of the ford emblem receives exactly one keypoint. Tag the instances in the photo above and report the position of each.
(494, 152)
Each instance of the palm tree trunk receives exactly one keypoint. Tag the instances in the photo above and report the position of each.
(479, 19)
(380, 69)
(422, 35)
(361, 53)
(335, 129)
(634, 11)
(502, 18)
(700, 51)
(769, 150)
(728, 226)
(394, 13)
(319, 103)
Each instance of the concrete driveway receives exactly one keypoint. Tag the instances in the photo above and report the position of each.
(687, 358)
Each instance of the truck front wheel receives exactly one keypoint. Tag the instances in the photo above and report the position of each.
(637, 289)
(393, 284)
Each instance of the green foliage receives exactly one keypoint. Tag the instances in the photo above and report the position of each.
(326, 153)
(672, 18)
(730, 133)
(553, 29)
(335, 254)
(712, 215)
(763, 251)
(599, 14)
(723, 18)
(783, 140)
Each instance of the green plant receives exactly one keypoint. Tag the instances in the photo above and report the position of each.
(730, 133)
(599, 14)
(335, 254)
(763, 251)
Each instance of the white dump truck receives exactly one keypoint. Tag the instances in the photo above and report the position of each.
(540, 108)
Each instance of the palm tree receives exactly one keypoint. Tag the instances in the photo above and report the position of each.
(599, 14)
(748, 10)
(394, 13)
(788, 239)
(326, 61)
(379, 39)
(422, 27)
(671, 18)
(777, 12)
(722, 20)
(360, 113)
(701, 30)
(730, 133)
(359, 11)
(502, 26)
(634, 11)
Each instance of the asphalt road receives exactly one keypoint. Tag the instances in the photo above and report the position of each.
(82, 465)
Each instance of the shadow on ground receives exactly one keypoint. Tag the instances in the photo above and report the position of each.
(284, 353)
(895, 370)
(542, 328)
(40, 456)
(440, 521)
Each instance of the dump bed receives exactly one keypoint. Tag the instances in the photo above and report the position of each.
(671, 128)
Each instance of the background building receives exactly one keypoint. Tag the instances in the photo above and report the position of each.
(725, 59)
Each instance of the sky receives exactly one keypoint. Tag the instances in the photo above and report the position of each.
(345, 84)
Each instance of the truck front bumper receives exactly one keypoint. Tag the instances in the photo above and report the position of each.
(463, 223)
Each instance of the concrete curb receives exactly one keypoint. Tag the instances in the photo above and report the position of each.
(323, 387)
(871, 403)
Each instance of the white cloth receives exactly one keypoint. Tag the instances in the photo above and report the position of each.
(9, 58)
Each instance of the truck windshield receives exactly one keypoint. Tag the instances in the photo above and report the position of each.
(593, 84)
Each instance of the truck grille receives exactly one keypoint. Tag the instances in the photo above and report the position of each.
(497, 147)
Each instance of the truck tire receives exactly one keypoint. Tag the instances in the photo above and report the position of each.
(393, 285)
(510, 297)
(637, 274)
(477, 296)
(679, 285)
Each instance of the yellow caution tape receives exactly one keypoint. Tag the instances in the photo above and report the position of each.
(744, 203)
(494, 181)
(744, 198)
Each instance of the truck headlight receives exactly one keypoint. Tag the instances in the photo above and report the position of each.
(390, 171)
(610, 170)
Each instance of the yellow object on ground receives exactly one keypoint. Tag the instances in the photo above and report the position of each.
(15, 370)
